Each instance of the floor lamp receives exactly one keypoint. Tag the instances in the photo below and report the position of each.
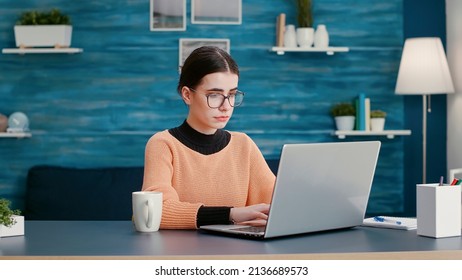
(424, 71)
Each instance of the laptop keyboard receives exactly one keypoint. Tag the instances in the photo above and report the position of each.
(260, 229)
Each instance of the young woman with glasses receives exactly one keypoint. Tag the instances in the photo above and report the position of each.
(208, 175)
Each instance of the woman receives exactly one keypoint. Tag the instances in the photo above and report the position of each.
(208, 175)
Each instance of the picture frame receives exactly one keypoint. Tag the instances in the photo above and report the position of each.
(188, 45)
(167, 15)
(216, 11)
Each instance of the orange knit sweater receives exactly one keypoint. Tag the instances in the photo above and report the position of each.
(236, 176)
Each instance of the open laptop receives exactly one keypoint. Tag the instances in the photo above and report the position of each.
(321, 186)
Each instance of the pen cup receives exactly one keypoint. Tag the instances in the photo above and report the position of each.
(438, 210)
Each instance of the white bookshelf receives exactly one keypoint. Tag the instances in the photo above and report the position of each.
(41, 50)
(390, 134)
(15, 134)
(328, 50)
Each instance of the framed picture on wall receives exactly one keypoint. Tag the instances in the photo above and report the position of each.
(216, 11)
(168, 15)
(187, 46)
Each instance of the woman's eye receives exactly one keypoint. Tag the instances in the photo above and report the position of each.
(214, 95)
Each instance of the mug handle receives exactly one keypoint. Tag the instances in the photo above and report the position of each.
(150, 213)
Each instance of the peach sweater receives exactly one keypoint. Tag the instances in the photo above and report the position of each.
(236, 176)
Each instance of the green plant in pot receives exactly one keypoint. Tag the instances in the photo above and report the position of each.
(305, 31)
(344, 114)
(50, 28)
(378, 120)
(6, 214)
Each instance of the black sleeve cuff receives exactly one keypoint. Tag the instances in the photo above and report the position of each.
(213, 216)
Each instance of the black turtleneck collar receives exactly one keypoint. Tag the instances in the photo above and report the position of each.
(201, 143)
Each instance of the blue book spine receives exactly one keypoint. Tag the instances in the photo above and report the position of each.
(362, 111)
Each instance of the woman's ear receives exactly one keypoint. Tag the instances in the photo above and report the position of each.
(186, 95)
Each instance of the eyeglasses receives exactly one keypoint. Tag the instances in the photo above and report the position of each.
(216, 100)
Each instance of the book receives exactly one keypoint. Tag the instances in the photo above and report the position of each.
(361, 112)
(391, 222)
(280, 28)
(367, 109)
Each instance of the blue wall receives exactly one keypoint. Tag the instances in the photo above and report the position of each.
(99, 108)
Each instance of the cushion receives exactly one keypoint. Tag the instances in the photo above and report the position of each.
(64, 193)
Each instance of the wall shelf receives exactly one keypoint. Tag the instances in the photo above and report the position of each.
(41, 50)
(15, 134)
(328, 50)
(390, 134)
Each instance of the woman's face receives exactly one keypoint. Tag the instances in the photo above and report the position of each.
(201, 117)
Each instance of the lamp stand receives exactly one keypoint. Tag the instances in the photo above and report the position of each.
(424, 138)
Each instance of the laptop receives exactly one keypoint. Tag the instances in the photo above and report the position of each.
(319, 187)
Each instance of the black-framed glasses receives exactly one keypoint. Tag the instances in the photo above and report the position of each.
(216, 100)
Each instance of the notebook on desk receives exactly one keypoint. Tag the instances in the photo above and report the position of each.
(321, 186)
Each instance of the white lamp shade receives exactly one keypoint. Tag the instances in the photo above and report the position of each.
(424, 68)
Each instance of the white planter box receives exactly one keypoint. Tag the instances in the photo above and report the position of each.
(16, 229)
(43, 35)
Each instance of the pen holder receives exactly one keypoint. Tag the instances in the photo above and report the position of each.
(438, 210)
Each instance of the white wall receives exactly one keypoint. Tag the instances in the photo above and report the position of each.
(454, 54)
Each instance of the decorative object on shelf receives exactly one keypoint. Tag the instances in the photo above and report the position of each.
(321, 37)
(167, 15)
(3, 123)
(344, 115)
(424, 70)
(43, 29)
(290, 37)
(11, 224)
(305, 31)
(18, 122)
(378, 120)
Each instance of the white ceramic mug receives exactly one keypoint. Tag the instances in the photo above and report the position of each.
(147, 210)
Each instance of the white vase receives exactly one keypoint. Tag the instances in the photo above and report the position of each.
(321, 37)
(377, 124)
(305, 37)
(290, 38)
(345, 122)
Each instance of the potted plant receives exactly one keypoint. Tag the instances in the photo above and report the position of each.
(11, 224)
(377, 120)
(305, 30)
(344, 114)
(43, 29)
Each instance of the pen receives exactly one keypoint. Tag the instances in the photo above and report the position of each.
(382, 219)
(441, 180)
(454, 182)
(459, 181)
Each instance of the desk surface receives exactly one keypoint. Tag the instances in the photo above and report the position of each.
(119, 239)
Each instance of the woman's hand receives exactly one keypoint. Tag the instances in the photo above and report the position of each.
(254, 215)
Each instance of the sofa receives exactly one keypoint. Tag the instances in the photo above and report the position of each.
(69, 193)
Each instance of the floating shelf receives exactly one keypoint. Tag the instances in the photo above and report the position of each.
(15, 134)
(328, 50)
(41, 50)
(341, 134)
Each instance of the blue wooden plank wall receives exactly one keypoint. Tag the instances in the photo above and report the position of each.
(99, 108)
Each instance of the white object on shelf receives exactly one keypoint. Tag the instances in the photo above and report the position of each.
(341, 134)
(41, 50)
(15, 134)
(321, 37)
(328, 50)
(43, 35)
(14, 230)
